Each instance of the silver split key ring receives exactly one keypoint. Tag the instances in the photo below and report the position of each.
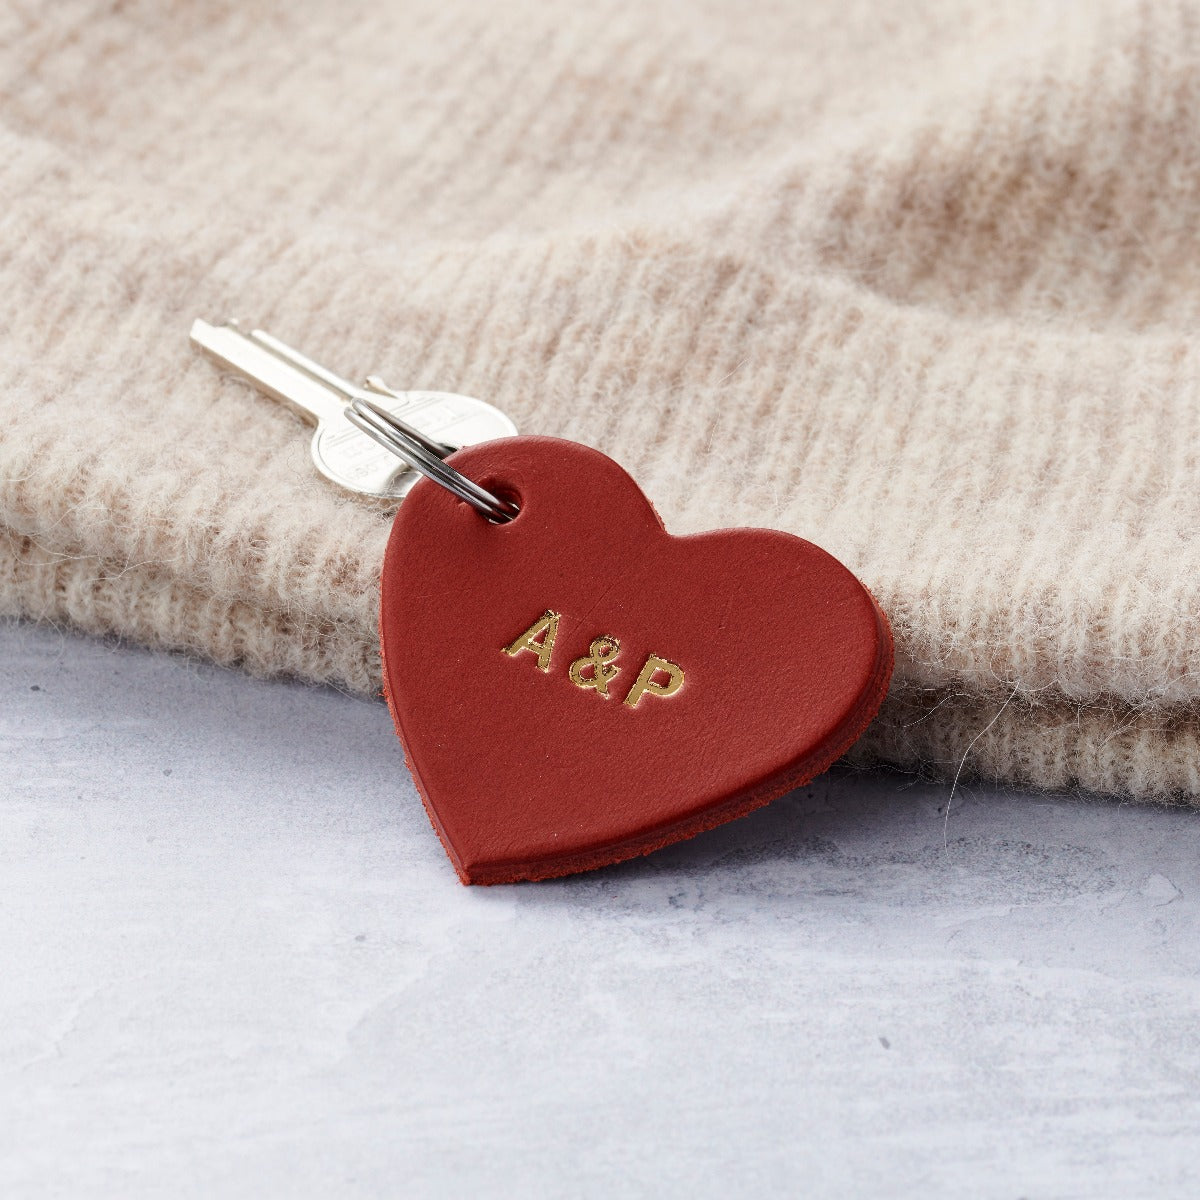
(424, 455)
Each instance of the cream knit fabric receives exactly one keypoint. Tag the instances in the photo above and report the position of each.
(918, 281)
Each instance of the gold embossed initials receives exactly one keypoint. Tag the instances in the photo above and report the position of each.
(600, 654)
(546, 628)
(597, 669)
(647, 685)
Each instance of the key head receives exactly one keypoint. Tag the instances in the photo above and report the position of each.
(348, 457)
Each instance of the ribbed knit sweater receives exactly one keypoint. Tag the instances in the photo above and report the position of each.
(919, 282)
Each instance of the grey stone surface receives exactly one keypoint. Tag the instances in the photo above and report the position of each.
(235, 962)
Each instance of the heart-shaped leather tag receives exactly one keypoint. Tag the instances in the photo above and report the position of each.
(578, 687)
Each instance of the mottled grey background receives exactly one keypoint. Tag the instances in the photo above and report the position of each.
(234, 961)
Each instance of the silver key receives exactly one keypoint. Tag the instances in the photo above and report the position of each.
(342, 452)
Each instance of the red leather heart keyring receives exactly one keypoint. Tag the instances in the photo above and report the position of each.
(572, 685)
(577, 686)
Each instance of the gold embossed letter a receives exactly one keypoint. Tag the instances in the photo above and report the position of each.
(546, 628)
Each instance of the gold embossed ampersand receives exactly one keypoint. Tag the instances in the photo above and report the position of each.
(599, 658)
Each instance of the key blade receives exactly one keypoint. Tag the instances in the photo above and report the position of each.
(259, 361)
(302, 362)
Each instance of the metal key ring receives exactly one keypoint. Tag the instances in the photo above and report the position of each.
(422, 454)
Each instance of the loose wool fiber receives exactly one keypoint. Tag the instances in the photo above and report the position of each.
(918, 281)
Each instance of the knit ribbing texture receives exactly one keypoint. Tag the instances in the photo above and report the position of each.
(917, 282)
